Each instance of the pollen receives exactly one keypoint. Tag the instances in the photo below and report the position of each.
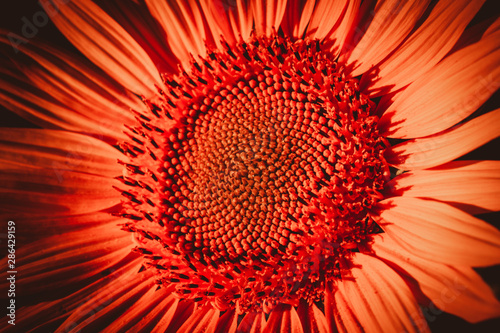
(250, 178)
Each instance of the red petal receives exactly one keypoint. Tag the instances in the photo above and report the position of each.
(145, 313)
(447, 94)
(377, 298)
(166, 317)
(227, 20)
(313, 320)
(64, 261)
(184, 26)
(106, 44)
(473, 186)
(184, 310)
(107, 304)
(267, 15)
(36, 317)
(298, 16)
(446, 146)
(135, 18)
(201, 321)
(457, 290)
(391, 22)
(327, 17)
(345, 27)
(340, 315)
(58, 152)
(284, 319)
(438, 232)
(227, 322)
(428, 45)
(38, 191)
(56, 90)
(253, 322)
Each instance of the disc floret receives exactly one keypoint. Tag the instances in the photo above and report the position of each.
(251, 177)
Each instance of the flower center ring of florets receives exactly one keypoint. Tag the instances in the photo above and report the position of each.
(250, 183)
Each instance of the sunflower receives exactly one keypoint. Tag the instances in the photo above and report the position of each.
(248, 166)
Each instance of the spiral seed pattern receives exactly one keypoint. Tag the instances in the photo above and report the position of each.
(250, 178)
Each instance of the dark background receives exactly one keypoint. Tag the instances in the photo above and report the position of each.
(11, 19)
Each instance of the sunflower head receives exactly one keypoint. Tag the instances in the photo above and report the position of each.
(252, 166)
(263, 160)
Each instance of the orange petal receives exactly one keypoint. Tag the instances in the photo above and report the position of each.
(471, 185)
(36, 317)
(297, 17)
(427, 45)
(106, 44)
(378, 298)
(313, 320)
(58, 151)
(341, 32)
(135, 18)
(66, 274)
(201, 321)
(39, 107)
(184, 26)
(391, 22)
(253, 322)
(224, 19)
(106, 114)
(327, 16)
(45, 169)
(457, 290)
(267, 15)
(438, 232)
(243, 19)
(339, 313)
(36, 191)
(284, 319)
(33, 228)
(475, 33)
(57, 265)
(171, 322)
(448, 93)
(82, 77)
(146, 313)
(446, 146)
(494, 27)
(227, 322)
(74, 247)
(107, 304)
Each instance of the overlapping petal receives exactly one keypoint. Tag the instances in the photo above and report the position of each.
(447, 94)
(312, 318)
(267, 15)
(454, 289)
(48, 315)
(105, 304)
(184, 26)
(444, 147)
(389, 23)
(471, 185)
(105, 43)
(425, 48)
(283, 319)
(202, 320)
(377, 298)
(58, 151)
(439, 232)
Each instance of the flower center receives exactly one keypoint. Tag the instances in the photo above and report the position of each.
(251, 178)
